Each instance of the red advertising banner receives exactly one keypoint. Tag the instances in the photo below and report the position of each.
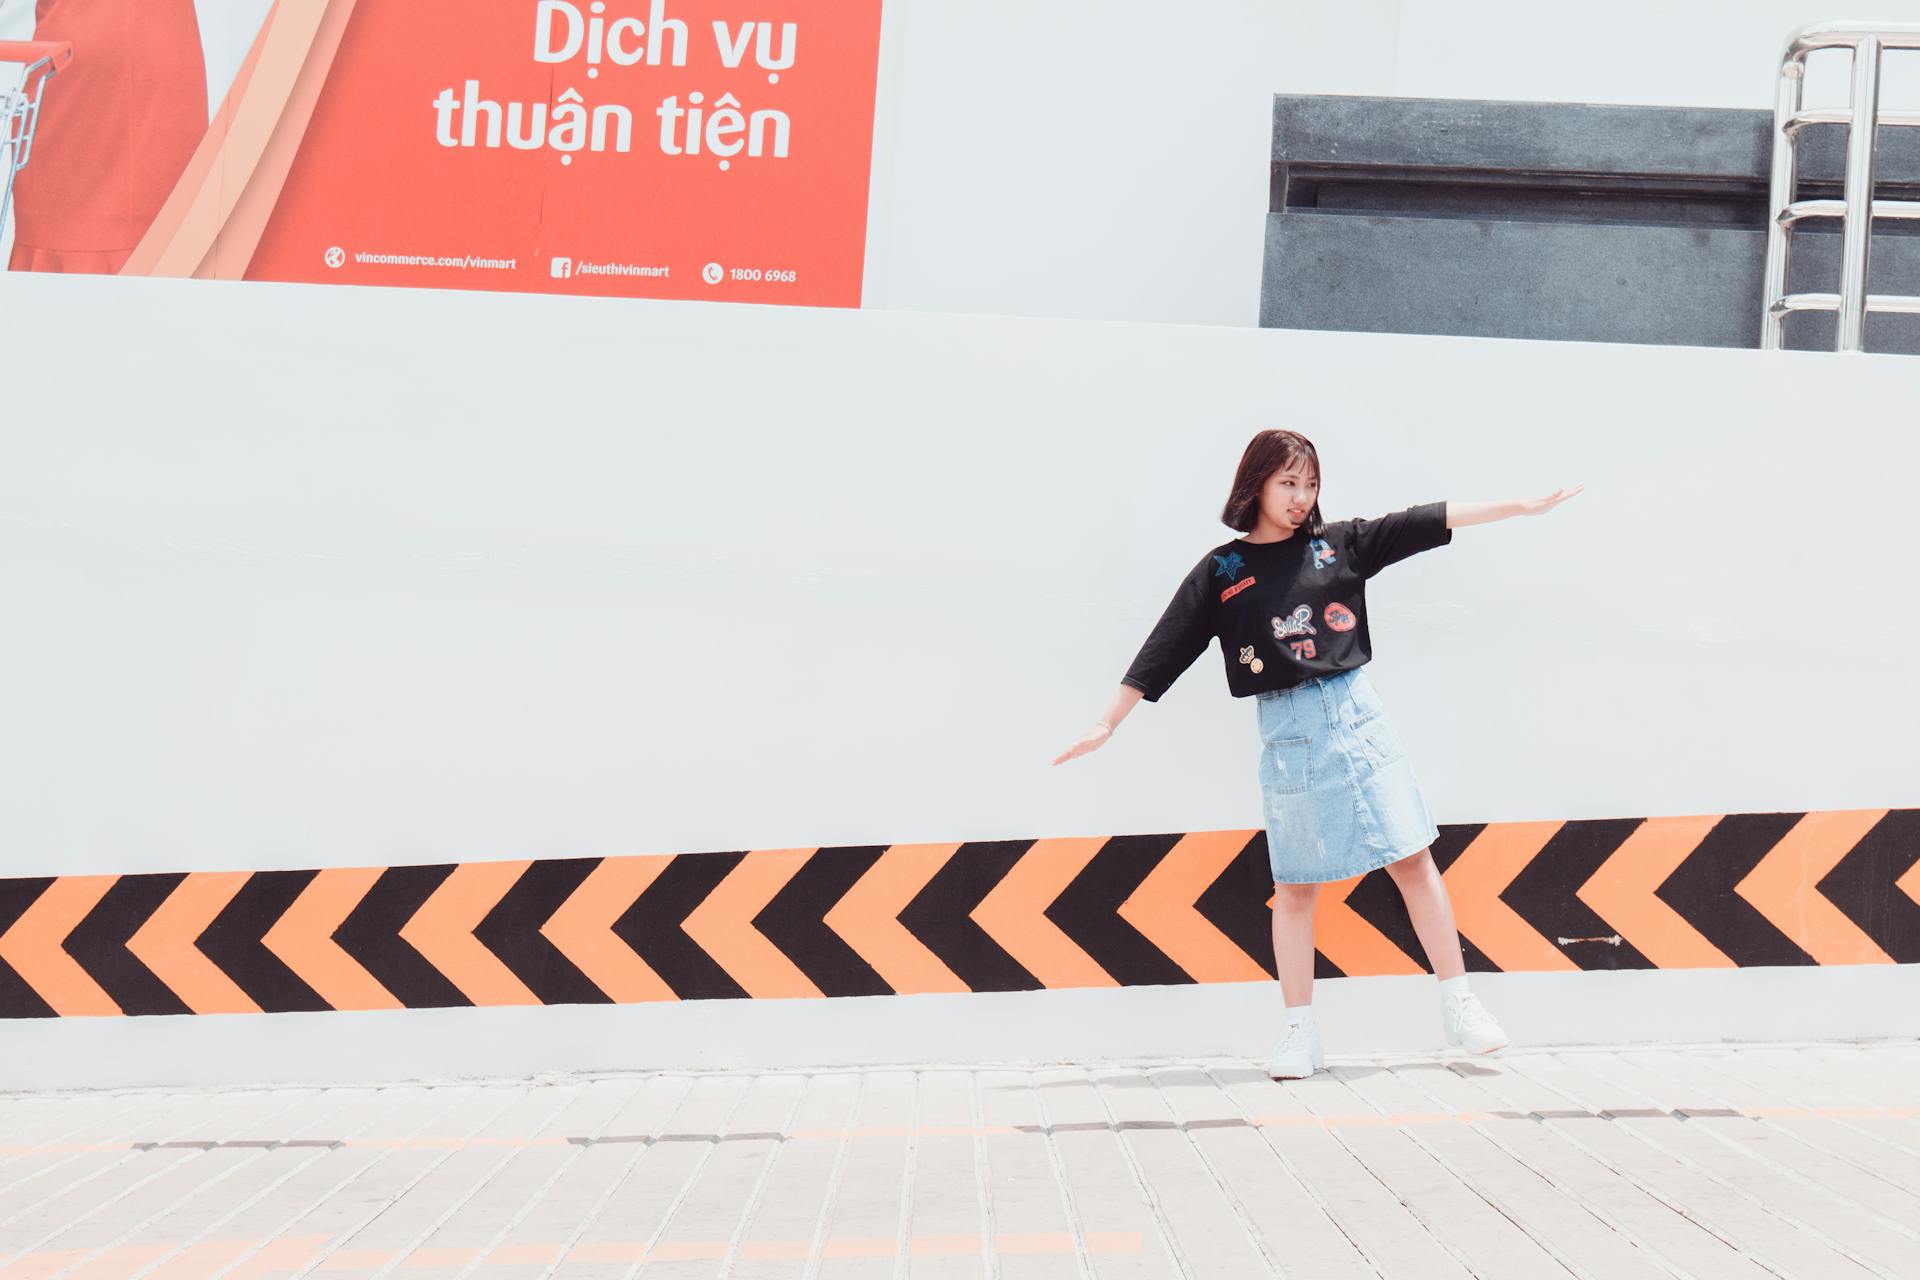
(708, 149)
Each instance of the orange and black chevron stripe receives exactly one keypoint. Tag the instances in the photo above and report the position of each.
(1012, 915)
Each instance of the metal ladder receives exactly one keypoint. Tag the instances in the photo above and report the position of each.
(1856, 208)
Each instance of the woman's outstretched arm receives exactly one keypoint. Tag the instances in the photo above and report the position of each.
(1103, 728)
(1459, 513)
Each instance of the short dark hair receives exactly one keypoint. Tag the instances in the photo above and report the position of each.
(1266, 453)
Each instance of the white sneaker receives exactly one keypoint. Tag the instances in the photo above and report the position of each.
(1465, 1022)
(1298, 1053)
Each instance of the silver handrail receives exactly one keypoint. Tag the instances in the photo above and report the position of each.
(1856, 207)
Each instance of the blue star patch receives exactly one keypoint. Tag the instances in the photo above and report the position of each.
(1227, 566)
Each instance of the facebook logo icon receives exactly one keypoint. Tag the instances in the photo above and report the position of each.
(561, 268)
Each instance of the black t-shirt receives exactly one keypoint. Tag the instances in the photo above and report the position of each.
(1285, 611)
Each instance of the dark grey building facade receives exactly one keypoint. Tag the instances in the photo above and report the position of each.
(1558, 220)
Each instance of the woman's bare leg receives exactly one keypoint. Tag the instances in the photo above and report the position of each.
(1431, 911)
(1293, 941)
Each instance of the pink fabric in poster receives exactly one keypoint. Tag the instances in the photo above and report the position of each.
(115, 130)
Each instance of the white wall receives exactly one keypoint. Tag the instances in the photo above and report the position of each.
(309, 576)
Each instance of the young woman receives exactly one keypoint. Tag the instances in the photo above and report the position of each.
(1288, 602)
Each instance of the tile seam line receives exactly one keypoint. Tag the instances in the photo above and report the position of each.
(65, 1188)
(1222, 1185)
(1601, 1216)
(317, 1154)
(1163, 1226)
(301, 1214)
(1793, 1174)
(902, 1229)
(1418, 1219)
(1844, 1121)
(1566, 1264)
(1267, 1139)
(982, 1176)
(1701, 1170)
(532, 1201)
(842, 1150)
(1654, 1193)
(752, 1206)
(332, 1245)
(448, 1213)
(1056, 1163)
(686, 1186)
(605, 1198)
(136, 1228)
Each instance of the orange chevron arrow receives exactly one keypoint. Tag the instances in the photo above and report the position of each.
(303, 939)
(723, 924)
(1782, 887)
(1909, 881)
(32, 947)
(1161, 908)
(442, 932)
(1621, 891)
(1013, 913)
(166, 943)
(1475, 882)
(867, 918)
(1343, 936)
(582, 929)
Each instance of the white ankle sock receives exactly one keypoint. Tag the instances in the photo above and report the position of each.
(1451, 987)
(1299, 1013)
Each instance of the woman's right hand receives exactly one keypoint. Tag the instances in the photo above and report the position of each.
(1094, 737)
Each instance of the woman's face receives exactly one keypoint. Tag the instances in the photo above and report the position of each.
(1289, 495)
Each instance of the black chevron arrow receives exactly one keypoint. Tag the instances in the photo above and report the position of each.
(651, 926)
(232, 942)
(98, 944)
(1862, 886)
(1544, 893)
(1376, 899)
(795, 922)
(512, 932)
(1447, 848)
(938, 916)
(1088, 911)
(1236, 902)
(371, 935)
(1701, 890)
(17, 999)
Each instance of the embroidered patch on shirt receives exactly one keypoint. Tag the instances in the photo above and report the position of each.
(1235, 589)
(1339, 617)
(1253, 663)
(1322, 553)
(1228, 565)
(1297, 623)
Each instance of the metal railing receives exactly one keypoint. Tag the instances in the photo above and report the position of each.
(1856, 207)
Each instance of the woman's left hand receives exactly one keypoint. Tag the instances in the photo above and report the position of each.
(1539, 506)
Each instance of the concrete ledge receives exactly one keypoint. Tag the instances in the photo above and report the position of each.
(1357, 1016)
(1607, 142)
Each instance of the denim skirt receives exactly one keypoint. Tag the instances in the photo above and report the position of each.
(1339, 793)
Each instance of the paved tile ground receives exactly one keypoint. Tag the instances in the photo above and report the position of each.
(1791, 1160)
